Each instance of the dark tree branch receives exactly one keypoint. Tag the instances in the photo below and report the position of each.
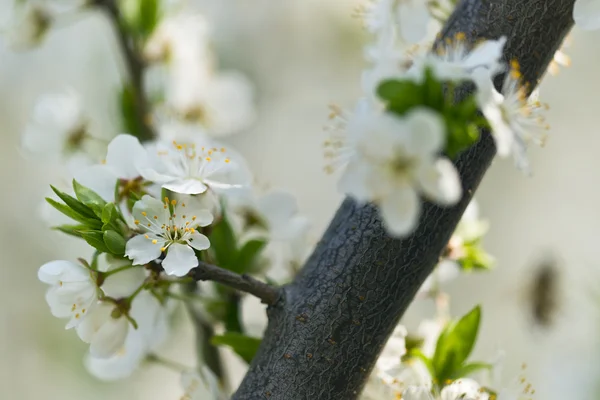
(244, 283)
(327, 330)
(134, 66)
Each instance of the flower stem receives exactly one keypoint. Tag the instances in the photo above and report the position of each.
(117, 270)
(166, 363)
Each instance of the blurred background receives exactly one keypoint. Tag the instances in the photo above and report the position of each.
(303, 55)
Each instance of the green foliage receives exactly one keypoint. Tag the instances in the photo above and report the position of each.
(130, 122)
(454, 347)
(463, 120)
(100, 223)
(245, 346)
(475, 257)
(141, 16)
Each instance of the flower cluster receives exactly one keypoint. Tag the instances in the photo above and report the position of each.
(397, 146)
(160, 202)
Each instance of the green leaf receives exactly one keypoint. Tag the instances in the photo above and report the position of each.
(75, 204)
(245, 346)
(224, 243)
(69, 212)
(400, 95)
(469, 369)
(95, 239)
(114, 242)
(109, 213)
(90, 198)
(418, 354)
(232, 314)
(148, 16)
(455, 345)
(248, 255)
(131, 124)
(72, 230)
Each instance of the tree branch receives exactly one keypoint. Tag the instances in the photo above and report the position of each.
(332, 321)
(134, 66)
(244, 283)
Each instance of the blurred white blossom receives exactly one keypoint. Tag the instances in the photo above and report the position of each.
(103, 330)
(57, 127)
(397, 158)
(33, 20)
(586, 14)
(73, 292)
(516, 119)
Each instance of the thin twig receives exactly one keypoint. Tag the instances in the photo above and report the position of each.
(244, 283)
(134, 65)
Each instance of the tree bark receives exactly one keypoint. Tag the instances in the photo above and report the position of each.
(328, 328)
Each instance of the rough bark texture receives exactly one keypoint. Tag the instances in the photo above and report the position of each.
(331, 323)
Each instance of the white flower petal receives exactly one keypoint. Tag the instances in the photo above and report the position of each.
(426, 131)
(101, 179)
(180, 260)
(124, 154)
(141, 250)
(400, 211)
(111, 336)
(440, 182)
(413, 17)
(586, 14)
(145, 211)
(121, 364)
(198, 241)
(186, 186)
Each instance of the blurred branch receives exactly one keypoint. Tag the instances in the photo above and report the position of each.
(244, 283)
(332, 321)
(134, 65)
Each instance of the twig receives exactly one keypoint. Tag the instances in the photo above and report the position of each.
(134, 65)
(244, 283)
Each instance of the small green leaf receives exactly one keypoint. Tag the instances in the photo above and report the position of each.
(114, 242)
(248, 255)
(90, 198)
(130, 122)
(469, 369)
(109, 213)
(148, 16)
(418, 354)
(69, 212)
(96, 240)
(455, 345)
(400, 96)
(232, 314)
(224, 243)
(245, 346)
(75, 204)
(72, 230)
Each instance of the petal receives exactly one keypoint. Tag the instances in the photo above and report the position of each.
(413, 17)
(440, 182)
(186, 186)
(50, 272)
(94, 321)
(123, 363)
(486, 54)
(124, 155)
(400, 211)
(111, 336)
(198, 241)
(355, 181)
(426, 131)
(142, 250)
(101, 179)
(417, 393)
(277, 208)
(180, 260)
(586, 14)
(151, 207)
(203, 218)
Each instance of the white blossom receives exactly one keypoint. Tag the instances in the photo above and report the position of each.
(461, 389)
(104, 333)
(397, 159)
(586, 14)
(171, 232)
(192, 167)
(73, 292)
(57, 126)
(408, 17)
(515, 119)
(222, 102)
(456, 60)
(201, 385)
(153, 327)
(33, 21)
